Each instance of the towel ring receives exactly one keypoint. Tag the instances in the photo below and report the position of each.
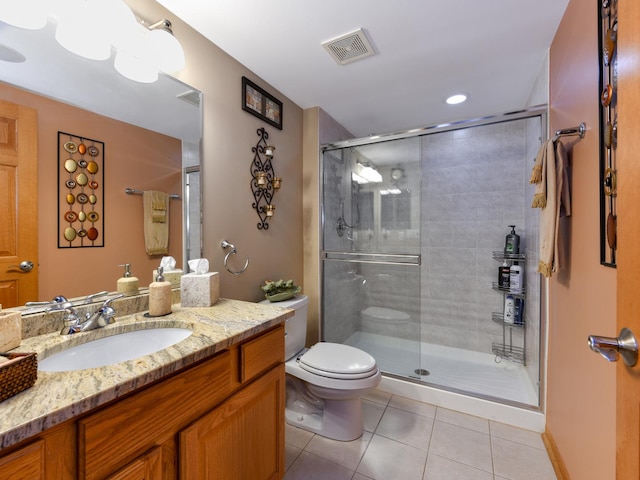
(233, 251)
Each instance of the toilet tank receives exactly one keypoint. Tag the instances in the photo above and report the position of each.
(295, 327)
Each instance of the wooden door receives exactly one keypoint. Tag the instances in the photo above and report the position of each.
(241, 439)
(628, 272)
(18, 204)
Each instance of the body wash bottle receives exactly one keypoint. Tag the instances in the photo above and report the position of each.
(509, 310)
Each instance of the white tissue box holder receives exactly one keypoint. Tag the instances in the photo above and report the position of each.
(199, 289)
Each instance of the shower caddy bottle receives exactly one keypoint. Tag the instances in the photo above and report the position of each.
(512, 242)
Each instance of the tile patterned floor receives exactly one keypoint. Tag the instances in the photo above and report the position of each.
(409, 440)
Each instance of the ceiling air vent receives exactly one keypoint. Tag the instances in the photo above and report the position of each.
(349, 48)
(192, 97)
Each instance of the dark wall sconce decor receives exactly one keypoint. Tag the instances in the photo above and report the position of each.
(258, 102)
(264, 184)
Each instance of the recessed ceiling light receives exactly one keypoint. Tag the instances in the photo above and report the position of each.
(457, 98)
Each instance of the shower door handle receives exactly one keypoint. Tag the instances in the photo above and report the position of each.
(625, 345)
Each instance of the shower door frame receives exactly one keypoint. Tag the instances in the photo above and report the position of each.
(530, 112)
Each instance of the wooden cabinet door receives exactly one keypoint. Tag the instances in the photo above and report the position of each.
(110, 438)
(18, 204)
(24, 464)
(147, 467)
(241, 439)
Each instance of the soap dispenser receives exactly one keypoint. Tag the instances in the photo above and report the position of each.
(159, 296)
(128, 283)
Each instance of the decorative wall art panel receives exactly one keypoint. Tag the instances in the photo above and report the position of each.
(80, 192)
(608, 37)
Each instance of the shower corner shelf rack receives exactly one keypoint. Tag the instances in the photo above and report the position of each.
(507, 349)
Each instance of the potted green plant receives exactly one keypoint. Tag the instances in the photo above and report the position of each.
(279, 290)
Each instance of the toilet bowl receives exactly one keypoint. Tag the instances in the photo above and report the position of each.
(324, 382)
(383, 321)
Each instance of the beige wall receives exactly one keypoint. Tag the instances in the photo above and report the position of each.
(229, 135)
(133, 157)
(581, 384)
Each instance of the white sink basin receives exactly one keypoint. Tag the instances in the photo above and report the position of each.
(113, 349)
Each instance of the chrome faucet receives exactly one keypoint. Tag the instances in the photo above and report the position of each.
(74, 322)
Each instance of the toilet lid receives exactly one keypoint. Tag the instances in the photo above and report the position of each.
(338, 361)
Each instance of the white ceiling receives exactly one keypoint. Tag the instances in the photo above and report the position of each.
(425, 51)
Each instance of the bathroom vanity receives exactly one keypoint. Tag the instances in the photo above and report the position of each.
(211, 406)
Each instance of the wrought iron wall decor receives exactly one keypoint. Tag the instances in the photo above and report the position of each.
(80, 191)
(264, 184)
(607, 41)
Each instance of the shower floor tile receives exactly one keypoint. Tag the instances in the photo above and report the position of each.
(472, 372)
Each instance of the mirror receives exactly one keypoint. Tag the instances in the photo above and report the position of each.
(168, 107)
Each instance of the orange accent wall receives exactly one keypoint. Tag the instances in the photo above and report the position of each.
(581, 384)
(134, 157)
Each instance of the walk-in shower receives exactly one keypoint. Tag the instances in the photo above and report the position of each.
(413, 230)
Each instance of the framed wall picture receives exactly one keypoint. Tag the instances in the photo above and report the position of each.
(258, 102)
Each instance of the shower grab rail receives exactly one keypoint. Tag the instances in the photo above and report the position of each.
(377, 258)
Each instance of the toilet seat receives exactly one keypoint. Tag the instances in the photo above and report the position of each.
(338, 361)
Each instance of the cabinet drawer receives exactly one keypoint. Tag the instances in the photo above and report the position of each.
(24, 464)
(261, 353)
(115, 435)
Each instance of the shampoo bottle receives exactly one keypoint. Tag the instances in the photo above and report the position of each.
(515, 278)
(503, 275)
(128, 283)
(509, 309)
(512, 242)
(159, 296)
(518, 312)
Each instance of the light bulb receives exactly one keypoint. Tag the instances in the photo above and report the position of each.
(166, 52)
(28, 14)
(134, 68)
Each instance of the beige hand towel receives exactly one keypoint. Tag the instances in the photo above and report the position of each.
(553, 198)
(156, 222)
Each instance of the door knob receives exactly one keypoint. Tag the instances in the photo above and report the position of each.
(25, 266)
(611, 348)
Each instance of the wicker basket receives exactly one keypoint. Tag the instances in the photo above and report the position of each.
(18, 375)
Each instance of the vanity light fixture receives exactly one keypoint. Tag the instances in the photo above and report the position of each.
(369, 172)
(95, 29)
(27, 14)
(166, 52)
(457, 98)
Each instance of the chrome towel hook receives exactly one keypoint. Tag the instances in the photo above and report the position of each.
(232, 251)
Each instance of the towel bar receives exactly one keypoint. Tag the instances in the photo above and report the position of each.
(133, 191)
(579, 130)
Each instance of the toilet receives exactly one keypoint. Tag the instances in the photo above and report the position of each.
(325, 382)
(384, 321)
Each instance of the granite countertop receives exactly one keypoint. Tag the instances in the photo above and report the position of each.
(60, 396)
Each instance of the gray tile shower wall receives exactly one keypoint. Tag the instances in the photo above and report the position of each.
(475, 183)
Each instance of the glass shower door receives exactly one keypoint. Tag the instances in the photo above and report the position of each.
(371, 251)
